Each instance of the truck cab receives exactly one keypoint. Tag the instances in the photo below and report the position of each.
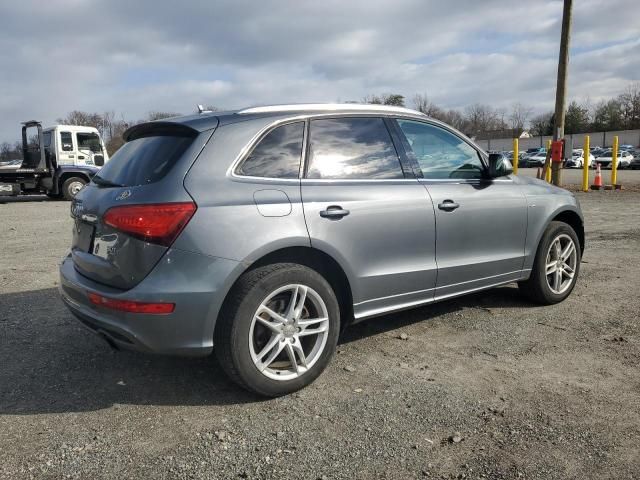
(57, 161)
(75, 145)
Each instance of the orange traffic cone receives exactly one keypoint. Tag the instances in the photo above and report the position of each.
(597, 182)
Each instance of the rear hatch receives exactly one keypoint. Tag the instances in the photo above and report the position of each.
(136, 205)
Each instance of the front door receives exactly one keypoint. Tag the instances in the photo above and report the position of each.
(87, 142)
(66, 151)
(481, 223)
(375, 220)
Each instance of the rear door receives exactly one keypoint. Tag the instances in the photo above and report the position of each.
(148, 170)
(365, 210)
(481, 223)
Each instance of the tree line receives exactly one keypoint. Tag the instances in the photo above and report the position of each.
(478, 120)
(619, 113)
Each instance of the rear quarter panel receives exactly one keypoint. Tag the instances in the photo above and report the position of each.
(228, 223)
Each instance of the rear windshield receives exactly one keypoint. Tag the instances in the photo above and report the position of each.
(142, 161)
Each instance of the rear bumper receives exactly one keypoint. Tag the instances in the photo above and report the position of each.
(197, 284)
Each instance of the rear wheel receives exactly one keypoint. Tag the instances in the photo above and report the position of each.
(278, 329)
(72, 186)
(556, 266)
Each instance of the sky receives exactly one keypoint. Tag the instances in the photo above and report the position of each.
(137, 56)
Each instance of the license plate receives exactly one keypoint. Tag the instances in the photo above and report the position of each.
(6, 188)
(83, 236)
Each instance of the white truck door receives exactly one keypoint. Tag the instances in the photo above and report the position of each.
(84, 141)
(66, 148)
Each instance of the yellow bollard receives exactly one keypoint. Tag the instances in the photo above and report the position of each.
(547, 173)
(585, 164)
(515, 156)
(614, 162)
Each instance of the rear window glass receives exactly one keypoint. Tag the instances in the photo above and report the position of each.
(277, 155)
(143, 160)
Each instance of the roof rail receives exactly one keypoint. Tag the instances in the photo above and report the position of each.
(329, 107)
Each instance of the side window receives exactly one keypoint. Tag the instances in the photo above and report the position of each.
(66, 141)
(352, 148)
(277, 155)
(46, 139)
(441, 154)
(88, 141)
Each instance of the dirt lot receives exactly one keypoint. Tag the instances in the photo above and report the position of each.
(488, 386)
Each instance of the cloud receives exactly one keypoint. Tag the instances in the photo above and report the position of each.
(135, 57)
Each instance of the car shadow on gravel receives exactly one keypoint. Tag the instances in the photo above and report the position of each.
(26, 199)
(49, 363)
(500, 297)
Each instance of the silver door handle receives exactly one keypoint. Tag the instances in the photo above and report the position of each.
(334, 211)
(448, 205)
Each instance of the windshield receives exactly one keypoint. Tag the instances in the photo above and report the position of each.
(142, 161)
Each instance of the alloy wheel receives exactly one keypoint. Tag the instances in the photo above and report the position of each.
(561, 262)
(288, 332)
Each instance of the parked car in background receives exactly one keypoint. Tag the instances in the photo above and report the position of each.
(577, 159)
(534, 160)
(266, 231)
(626, 147)
(624, 159)
(635, 163)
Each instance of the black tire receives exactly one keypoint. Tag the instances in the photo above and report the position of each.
(69, 185)
(536, 287)
(231, 337)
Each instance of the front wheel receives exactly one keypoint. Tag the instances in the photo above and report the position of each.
(72, 186)
(556, 266)
(278, 329)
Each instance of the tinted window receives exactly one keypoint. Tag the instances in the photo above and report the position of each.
(441, 154)
(144, 160)
(358, 148)
(46, 139)
(66, 142)
(277, 155)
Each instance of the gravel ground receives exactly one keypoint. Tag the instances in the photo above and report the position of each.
(487, 386)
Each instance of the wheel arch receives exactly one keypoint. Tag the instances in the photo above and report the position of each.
(571, 218)
(315, 259)
(64, 176)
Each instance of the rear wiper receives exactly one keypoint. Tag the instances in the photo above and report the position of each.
(98, 180)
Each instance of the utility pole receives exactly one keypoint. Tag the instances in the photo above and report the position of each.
(561, 86)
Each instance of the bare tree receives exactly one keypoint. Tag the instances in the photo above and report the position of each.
(385, 99)
(519, 116)
(630, 106)
(156, 115)
(422, 103)
(86, 119)
(542, 124)
(481, 118)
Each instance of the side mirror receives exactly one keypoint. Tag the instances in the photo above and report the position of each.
(499, 165)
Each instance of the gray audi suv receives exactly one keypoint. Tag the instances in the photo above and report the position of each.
(261, 233)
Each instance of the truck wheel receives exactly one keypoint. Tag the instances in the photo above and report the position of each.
(278, 329)
(72, 186)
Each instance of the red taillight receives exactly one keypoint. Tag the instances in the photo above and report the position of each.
(156, 223)
(131, 306)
